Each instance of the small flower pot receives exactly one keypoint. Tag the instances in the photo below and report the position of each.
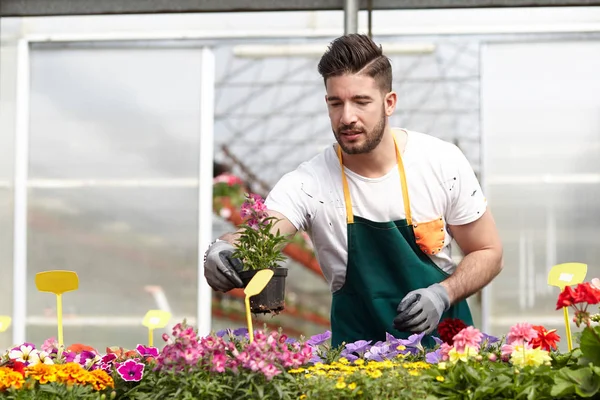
(272, 298)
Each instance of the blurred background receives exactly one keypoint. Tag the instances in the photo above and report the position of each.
(104, 169)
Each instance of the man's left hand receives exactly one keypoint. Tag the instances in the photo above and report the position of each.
(421, 310)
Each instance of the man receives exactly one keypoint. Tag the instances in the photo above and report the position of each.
(381, 207)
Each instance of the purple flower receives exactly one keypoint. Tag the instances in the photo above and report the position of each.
(223, 332)
(290, 341)
(489, 339)
(437, 340)
(413, 343)
(359, 346)
(131, 371)
(145, 351)
(377, 352)
(241, 332)
(69, 356)
(315, 359)
(317, 340)
(434, 357)
(348, 355)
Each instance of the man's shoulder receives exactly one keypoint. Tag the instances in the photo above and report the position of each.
(316, 166)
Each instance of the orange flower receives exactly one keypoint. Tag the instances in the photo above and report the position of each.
(10, 378)
(78, 348)
(42, 373)
(71, 373)
(101, 380)
(545, 339)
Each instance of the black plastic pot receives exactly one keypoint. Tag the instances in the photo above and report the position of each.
(272, 298)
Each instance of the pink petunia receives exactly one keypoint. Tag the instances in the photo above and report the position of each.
(131, 371)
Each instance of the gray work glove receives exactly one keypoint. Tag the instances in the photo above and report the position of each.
(421, 310)
(221, 268)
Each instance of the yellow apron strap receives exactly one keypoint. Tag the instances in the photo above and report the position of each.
(405, 197)
(348, 199)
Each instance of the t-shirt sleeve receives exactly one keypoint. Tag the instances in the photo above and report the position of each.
(467, 200)
(293, 196)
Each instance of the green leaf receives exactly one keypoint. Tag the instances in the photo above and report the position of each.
(590, 344)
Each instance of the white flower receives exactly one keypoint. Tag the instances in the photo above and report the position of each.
(45, 358)
(25, 354)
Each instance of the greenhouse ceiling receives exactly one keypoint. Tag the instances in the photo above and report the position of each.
(29, 8)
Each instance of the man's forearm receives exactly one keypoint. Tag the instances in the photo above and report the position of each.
(475, 271)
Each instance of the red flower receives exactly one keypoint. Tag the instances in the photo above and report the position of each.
(566, 298)
(17, 366)
(583, 293)
(545, 339)
(586, 293)
(448, 328)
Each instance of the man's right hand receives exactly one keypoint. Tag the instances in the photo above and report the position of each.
(221, 269)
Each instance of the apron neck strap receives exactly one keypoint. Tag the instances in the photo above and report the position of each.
(401, 172)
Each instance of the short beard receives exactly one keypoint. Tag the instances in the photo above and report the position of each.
(373, 138)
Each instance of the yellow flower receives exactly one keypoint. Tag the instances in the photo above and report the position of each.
(352, 386)
(522, 357)
(10, 378)
(442, 365)
(439, 378)
(360, 361)
(302, 397)
(296, 371)
(375, 374)
(340, 385)
(463, 356)
(344, 361)
(413, 372)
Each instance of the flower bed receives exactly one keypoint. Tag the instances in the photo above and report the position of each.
(464, 364)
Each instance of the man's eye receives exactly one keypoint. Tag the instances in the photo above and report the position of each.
(362, 103)
(334, 104)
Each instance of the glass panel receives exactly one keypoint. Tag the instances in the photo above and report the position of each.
(6, 263)
(114, 113)
(129, 247)
(8, 72)
(128, 117)
(541, 125)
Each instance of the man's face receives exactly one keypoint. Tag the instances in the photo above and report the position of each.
(357, 110)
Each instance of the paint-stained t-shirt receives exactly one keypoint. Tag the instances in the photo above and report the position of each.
(441, 185)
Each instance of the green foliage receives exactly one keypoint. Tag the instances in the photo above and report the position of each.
(56, 391)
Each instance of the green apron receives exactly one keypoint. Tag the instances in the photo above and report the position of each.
(384, 264)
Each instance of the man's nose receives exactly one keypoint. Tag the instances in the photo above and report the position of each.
(348, 115)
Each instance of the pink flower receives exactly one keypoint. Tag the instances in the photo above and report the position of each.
(444, 350)
(469, 336)
(49, 345)
(270, 371)
(521, 333)
(131, 370)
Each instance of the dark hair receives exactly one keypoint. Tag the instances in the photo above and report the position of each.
(355, 53)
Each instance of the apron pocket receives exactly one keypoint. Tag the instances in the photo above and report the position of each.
(430, 235)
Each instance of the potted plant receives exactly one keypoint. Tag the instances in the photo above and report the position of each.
(259, 246)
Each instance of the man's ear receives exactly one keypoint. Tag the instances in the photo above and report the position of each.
(390, 103)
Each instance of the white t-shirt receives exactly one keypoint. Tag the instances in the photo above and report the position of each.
(440, 182)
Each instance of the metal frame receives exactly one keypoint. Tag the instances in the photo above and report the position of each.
(22, 183)
(31, 8)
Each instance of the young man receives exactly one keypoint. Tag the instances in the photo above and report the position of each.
(381, 207)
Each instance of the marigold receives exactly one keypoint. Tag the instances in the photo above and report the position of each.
(42, 373)
(10, 378)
